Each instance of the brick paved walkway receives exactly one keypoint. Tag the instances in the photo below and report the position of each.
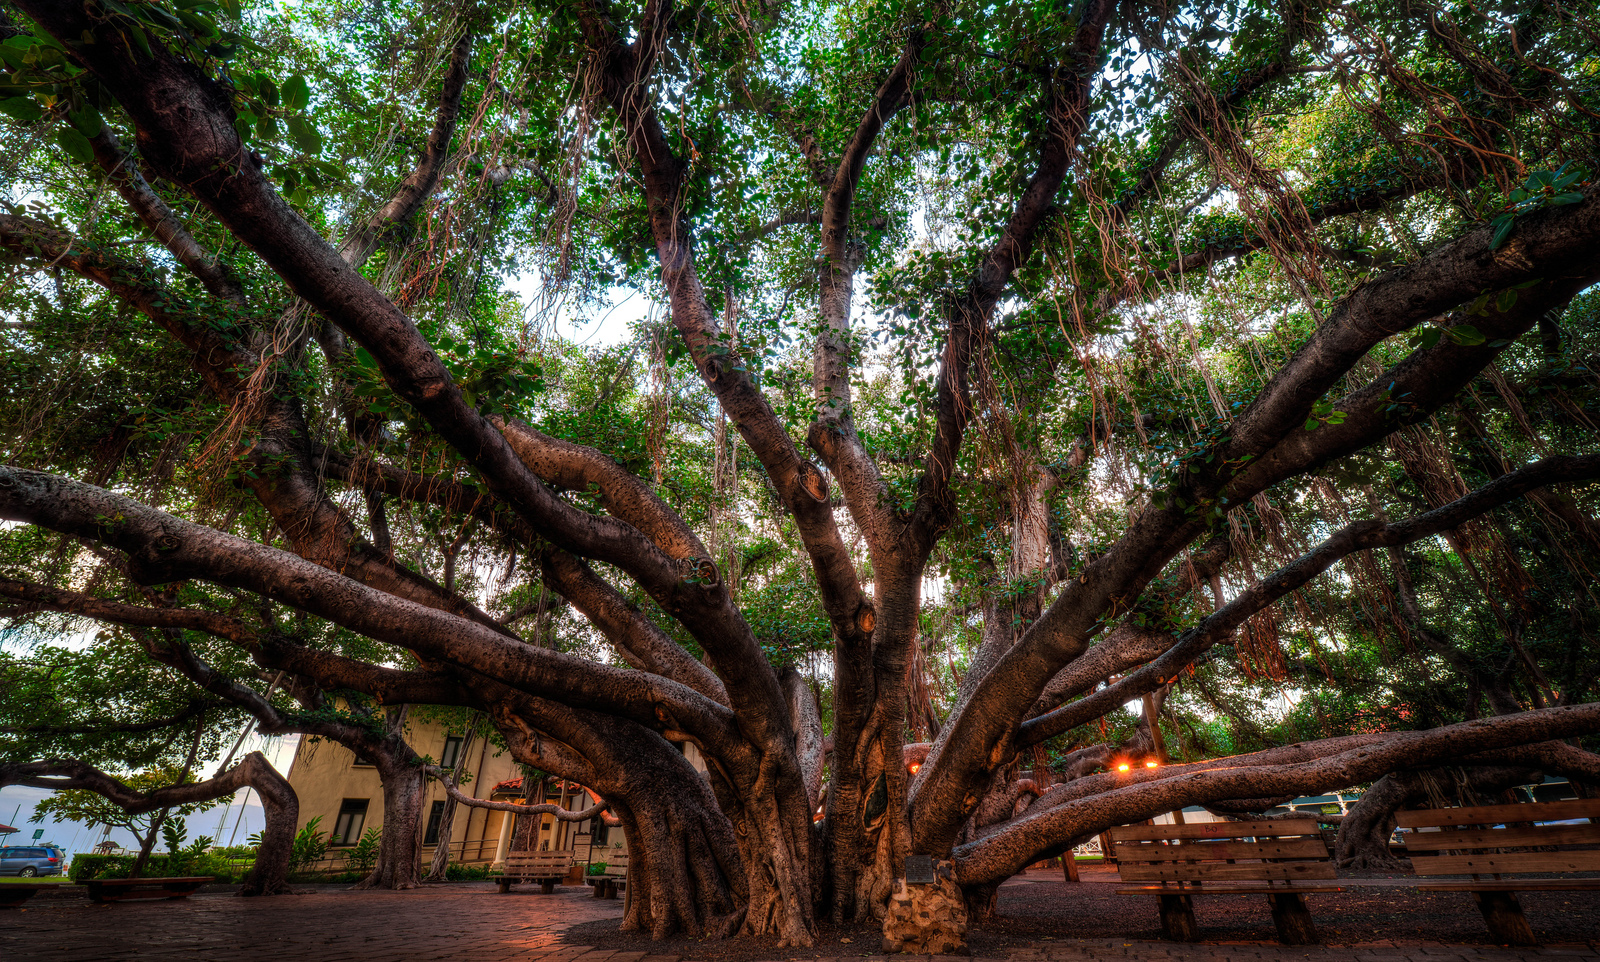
(473, 923)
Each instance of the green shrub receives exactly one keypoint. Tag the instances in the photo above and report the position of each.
(466, 873)
(595, 868)
(310, 845)
(364, 855)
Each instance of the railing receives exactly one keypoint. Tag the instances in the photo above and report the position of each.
(464, 852)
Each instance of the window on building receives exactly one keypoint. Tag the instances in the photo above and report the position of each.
(352, 815)
(435, 816)
(452, 752)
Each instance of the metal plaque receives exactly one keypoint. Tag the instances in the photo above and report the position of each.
(919, 870)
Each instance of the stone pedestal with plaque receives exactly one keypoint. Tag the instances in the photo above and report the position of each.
(927, 914)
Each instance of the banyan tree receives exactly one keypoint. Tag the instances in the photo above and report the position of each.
(993, 368)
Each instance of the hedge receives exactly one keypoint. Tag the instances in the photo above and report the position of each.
(87, 866)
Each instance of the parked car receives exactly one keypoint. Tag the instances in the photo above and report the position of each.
(31, 860)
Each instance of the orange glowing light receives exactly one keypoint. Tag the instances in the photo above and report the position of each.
(915, 767)
(1152, 764)
(1122, 767)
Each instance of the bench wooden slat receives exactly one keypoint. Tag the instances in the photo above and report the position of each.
(538, 862)
(1496, 898)
(1579, 861)
(1495, 814)
(1502, 837)
(1515, 885)
(1209, 888)
(1202, 871)
(1191, 851)
(1264, 828)
(1282, 854)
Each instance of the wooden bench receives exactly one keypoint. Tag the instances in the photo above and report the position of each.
(611, 881)
(127, 889)
(547, 868)
(15, 893)
(1273, 857)
(1499, 846)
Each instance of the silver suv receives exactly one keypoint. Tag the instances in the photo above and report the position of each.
(31, 860)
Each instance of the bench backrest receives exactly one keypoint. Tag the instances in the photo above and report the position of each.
(616, 866)
(1475, 841)
(1269, 849)
(555, 863)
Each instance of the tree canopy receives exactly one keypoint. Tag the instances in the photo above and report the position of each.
(989, 368)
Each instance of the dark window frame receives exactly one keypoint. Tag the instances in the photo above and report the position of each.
(430, 835)
(450, 756)
(347, 833)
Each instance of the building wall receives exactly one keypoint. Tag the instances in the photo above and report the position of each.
(324, 774)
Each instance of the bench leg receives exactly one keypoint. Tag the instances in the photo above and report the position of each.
(599, 890)
(547, 887)
(1503, 914)
(1293, 919)
(1177, 919)
(505, 886)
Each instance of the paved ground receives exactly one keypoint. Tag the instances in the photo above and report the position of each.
(473, 923)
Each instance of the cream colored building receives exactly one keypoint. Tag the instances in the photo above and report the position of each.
(335, 785)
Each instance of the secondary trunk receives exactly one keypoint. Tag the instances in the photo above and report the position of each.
(1363, 841)
(447, 818)
(399, 851)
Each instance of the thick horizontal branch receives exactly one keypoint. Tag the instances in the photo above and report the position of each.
(543, 808)
(270, 650)
(1334, 764)
(195, 708)
(162, 548)
(1358, 536)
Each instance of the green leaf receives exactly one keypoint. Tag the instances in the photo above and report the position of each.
(1561, 200)
(1502, 230)
(22, 108)
(1312, 424)
(305, 135)
(1466, 335)
(140, 40)
(1426, 338)
(296, 94)
(76, 144)
(1506, 300)
(87, 120)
